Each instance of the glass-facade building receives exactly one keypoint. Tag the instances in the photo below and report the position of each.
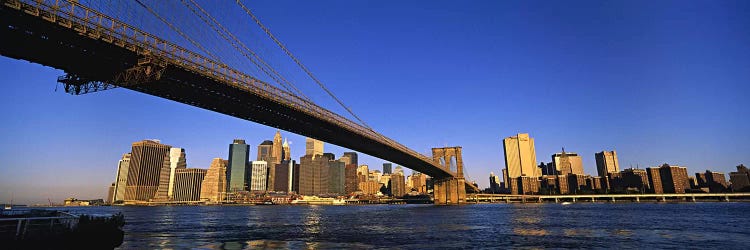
(238, 174)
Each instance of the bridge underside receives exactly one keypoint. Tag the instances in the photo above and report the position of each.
(31, 38)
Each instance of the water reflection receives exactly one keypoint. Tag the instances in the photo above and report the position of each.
(312, 220)
(527, 220)
(697, 225)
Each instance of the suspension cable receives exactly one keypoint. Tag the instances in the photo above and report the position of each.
(178, 31)
(309, 73)
(235, 42)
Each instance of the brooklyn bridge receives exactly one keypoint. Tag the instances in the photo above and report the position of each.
(99, 51)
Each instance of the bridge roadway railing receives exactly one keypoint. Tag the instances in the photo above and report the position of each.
(96, 25)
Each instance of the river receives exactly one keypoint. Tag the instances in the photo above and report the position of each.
(715, 225)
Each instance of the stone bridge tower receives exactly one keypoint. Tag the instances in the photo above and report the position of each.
(451, 190)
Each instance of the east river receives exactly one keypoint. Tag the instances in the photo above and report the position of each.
(713, 225)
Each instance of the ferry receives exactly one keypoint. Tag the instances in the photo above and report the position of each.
(315, 200)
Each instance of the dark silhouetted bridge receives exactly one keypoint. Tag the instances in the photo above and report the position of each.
(99, 52)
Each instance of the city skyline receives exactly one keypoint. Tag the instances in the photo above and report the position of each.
(663, 113)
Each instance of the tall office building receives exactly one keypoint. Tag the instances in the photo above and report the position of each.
(313, 147)
(387, 168)
(350, 158)
(110, 194)
(188, 184)
(674, 179)
(270, 152)
(336, 177)
(520, 156)
(654, 180)
(370, 187)
(351, 181)
(214, 186)
(385, 179)
(363, 174)
(295, 178)
(265, 151)
(144, 172)
(122, 178)
(548, 168)
(284, 178)
(399, 169)
(398, 184)
(313, 176)
(494, 183)
(716, 182)
(741, 179)
(277, 152)
(606, 162)
(567, 163)
(259, 176)
(287, 152)
(419, 182)
(238, 170)
(175, 160)
(629, 179)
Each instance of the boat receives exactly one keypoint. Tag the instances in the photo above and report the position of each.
(567, 203)
(315, 200)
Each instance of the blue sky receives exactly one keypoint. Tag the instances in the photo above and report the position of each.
(660, 82)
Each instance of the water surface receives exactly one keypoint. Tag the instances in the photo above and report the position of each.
(712, 225)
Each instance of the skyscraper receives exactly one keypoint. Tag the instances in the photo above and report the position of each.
(265, 151)
(494, 183)
(363, 174)
(188, 184)
(144, 172)
(287, 151)
(606, 162)
(336, 177)
(238, 172)
(716, 182)
(674, 179)
(214, 187)
(270, 151)
(654, 180)
(399, 169)
(350, 158)
(283, 180)
(313, 176)
(277, 152)
(398, 184)
(175, 160)
(567, 163)
(122, 178)
(313, 147)
(520, 156)
(387, 168)
(351, 181)
(259, 176)
(110, 194)
(741, 179)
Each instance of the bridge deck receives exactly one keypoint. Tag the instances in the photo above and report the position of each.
(99, 48)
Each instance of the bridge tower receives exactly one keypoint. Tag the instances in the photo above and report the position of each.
(450, 190)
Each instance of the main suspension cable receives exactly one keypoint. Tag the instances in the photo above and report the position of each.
(289, 53)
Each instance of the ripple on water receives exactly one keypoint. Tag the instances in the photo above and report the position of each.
(637, 225)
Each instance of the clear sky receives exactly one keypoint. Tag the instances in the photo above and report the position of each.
(658, 81)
